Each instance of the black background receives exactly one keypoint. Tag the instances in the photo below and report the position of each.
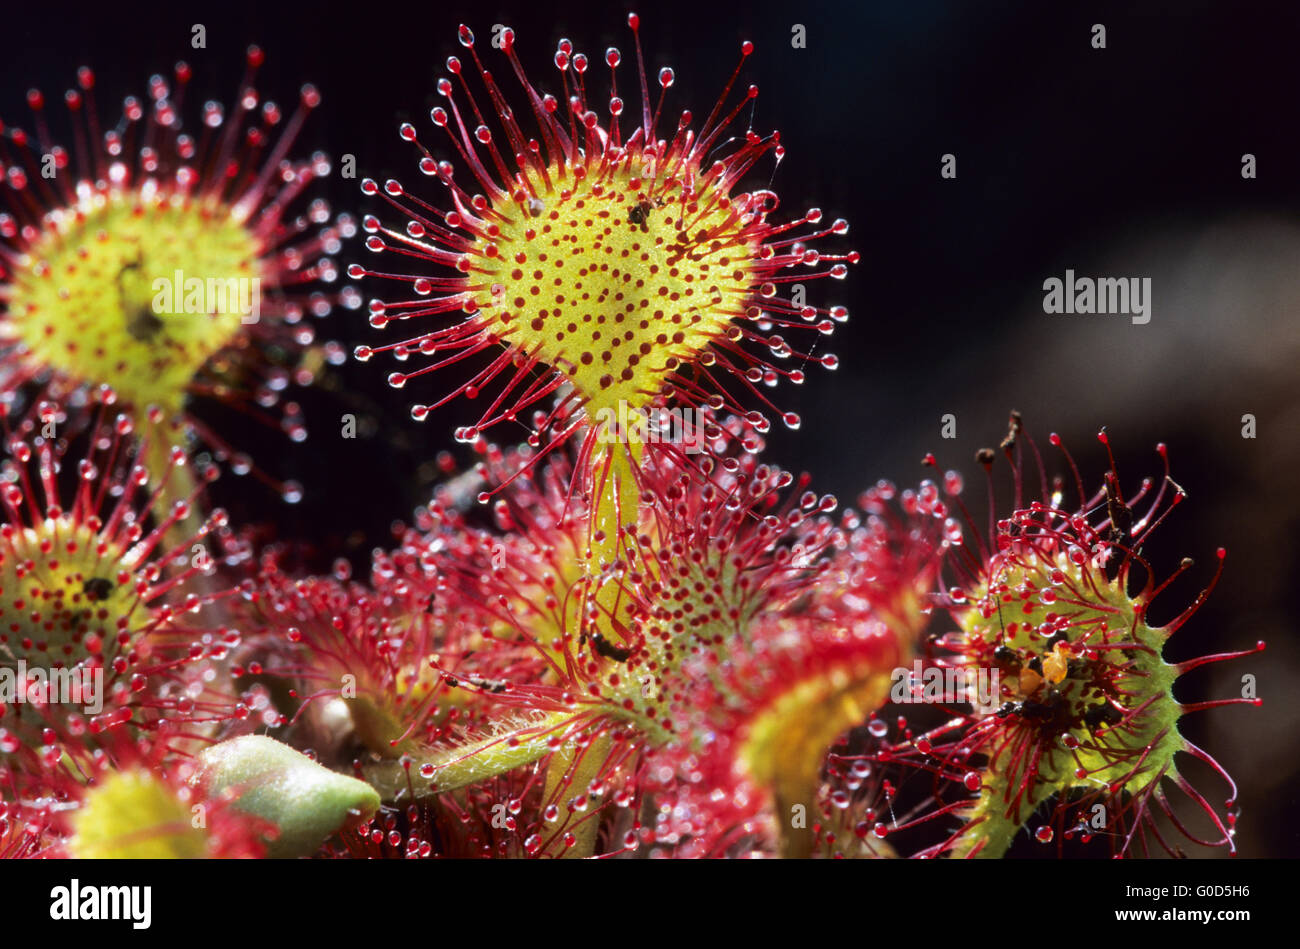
(1123, 162)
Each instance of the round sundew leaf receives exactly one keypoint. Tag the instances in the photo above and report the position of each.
(270, 780)
(134, 816)
(628, 266)
(135, 291)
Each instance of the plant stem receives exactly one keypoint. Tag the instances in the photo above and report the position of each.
(176, 483)
(462, 765)
(570, 773)
(616, 506)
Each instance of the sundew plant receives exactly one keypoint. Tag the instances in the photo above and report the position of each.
(622, 629)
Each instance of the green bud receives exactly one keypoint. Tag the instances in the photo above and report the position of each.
(269, 780)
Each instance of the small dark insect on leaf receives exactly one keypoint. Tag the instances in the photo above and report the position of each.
(1102, 714)
(640, 213)
(1120, 514)
(1059, 636)
(428, 607)
(141, 322)
(608, 649)
(98, 588)
(1035, 710)
(495, 686)
(1014, 427)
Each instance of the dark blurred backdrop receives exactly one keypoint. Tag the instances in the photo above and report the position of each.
(1123, 161)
